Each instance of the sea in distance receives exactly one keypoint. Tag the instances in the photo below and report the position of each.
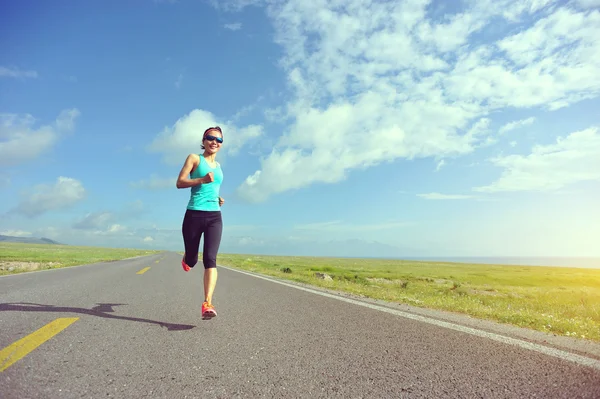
(577, 262)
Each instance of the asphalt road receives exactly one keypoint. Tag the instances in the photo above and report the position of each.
(130, 335)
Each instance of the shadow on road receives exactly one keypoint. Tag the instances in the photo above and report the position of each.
(101, 310)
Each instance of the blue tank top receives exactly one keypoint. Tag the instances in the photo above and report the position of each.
(205, 197)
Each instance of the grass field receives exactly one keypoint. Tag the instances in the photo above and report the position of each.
(563, 301)
(18, 258)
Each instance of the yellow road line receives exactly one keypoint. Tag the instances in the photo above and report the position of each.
(22, 347)
(144, 270)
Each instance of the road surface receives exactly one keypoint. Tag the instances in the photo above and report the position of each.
(132, 329)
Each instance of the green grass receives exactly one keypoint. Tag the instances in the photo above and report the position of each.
(27, 257)
(563, 301)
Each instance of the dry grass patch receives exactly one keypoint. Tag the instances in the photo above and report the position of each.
(19, 266)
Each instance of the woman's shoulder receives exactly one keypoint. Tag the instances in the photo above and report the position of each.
(194, 157)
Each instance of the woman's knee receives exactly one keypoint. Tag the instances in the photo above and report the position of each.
(209, 261)
(191, 261)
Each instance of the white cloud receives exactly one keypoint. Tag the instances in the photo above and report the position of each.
(447, 37)
(105, 220)
(438, 196)
(234, 5)
(121, 227)
(516, 125)
(43, 198)
(301, 156)
(518, 8)
(416, 83)
(248, 241)
(179, 81)
(440, 165)
(154, 183)
(21, 141)
(100, 229)
(549, 65)
(116, 231)
(233, 27)
(588, 3)
(573, 159)
(15, 233)
(116, 235)
(185, 136)
(557, 55)
(94, 220)
(116, 228)
(66, 119)
(16, 73)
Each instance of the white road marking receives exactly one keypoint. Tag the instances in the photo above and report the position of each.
(581, 360)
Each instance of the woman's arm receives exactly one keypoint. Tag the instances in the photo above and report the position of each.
(183, 180)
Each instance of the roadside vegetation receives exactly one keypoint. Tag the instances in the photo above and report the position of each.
(559, 300)
(18, 257)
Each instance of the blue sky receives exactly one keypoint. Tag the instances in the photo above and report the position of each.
(404, 128)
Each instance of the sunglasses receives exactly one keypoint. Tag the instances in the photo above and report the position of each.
(213, 138)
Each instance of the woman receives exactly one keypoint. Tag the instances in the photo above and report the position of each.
(203, 174)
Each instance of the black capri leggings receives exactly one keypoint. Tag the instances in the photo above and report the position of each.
(195, 223)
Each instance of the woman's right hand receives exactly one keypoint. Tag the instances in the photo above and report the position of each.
(209, 177)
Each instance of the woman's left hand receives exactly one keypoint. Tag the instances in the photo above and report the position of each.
(221, 201)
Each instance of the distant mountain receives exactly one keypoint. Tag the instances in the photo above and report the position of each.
(29, 240)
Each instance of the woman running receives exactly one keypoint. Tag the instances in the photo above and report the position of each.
(203, 174)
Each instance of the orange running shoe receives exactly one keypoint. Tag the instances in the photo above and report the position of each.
(208, 310)
(184, 265)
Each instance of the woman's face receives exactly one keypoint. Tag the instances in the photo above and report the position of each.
(212, 141)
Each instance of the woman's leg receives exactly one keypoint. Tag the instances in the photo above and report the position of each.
(212, 241)
(192, 232)
(210, 282)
